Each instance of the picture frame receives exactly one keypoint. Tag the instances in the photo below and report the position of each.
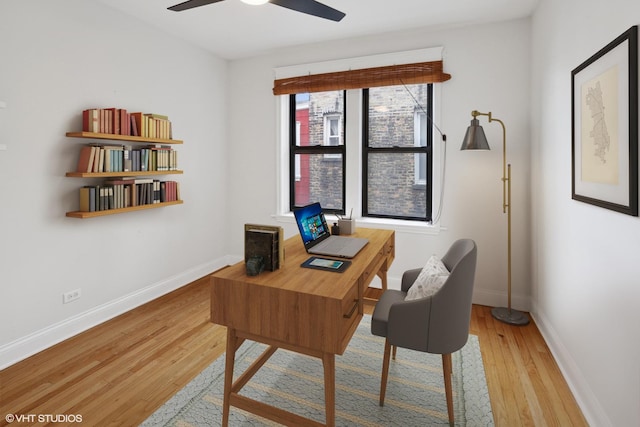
(604, 140)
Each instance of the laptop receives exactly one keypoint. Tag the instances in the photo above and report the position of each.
(316, 236)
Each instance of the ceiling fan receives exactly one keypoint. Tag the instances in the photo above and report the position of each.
(310, 7)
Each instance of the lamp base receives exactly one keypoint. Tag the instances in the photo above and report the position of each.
(510, 316)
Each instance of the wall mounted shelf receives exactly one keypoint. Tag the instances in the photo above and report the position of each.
(152, 173)
(81, 214)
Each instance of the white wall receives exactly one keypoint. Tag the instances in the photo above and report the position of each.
(58, 58)
(490, 68)
(586, 274)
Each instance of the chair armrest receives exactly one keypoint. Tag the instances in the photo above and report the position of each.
(408, 324)
(408, 278)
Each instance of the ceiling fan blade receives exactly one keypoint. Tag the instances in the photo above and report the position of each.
(190, 4)
(311, 7)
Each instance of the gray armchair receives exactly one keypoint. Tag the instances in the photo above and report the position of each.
(437, 324)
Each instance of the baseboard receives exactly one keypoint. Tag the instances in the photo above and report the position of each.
(586, 399)
(499, 299)
(31, 344)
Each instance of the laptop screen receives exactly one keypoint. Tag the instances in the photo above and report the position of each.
(311, 223)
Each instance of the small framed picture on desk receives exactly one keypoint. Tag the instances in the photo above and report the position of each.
(326, 264)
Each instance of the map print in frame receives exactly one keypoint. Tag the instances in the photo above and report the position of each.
(599, 128)
(604, 147)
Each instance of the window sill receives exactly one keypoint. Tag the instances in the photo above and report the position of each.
(398, 225)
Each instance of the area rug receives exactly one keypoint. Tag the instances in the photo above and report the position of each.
(415, 392)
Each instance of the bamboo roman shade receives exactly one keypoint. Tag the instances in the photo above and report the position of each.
(421, 72)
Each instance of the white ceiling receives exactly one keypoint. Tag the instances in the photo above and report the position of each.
(232, 29)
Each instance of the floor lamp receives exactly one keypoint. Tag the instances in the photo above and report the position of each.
(475, 139)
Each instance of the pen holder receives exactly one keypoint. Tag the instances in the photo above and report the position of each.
(347, 226)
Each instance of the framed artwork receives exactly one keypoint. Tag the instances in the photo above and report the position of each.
(604, 107)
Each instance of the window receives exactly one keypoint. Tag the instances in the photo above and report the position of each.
(332, 133)
(396, 161)
(390, 173)
(332, 129)
(317, 150)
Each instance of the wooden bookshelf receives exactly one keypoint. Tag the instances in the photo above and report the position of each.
(121, 174)
(83, 215)
(115, 137)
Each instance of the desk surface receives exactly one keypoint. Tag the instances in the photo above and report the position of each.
(322, 283)
(300, 306)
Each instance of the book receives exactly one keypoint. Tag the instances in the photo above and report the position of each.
(102, 121)
(127, 195)
(155, 196)
(256, 244)
(108, 124)
(91, 120)
(101, 198)
(144, 159)
(101, 161)
(110, 200)
(124, 122)
(114, 120)
(137, 122)
(163, 191)
(133, 124)
(261, 244)
(87, 199)
(85, 161)
(96, 159)
(126, 165)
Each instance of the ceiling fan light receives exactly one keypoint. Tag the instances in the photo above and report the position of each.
(254, 2)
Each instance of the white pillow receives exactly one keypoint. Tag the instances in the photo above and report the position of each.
(430, 279)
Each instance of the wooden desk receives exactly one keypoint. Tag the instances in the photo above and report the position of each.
(308, 311)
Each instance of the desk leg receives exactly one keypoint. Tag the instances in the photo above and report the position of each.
(329, 363)
(382, 274)
(232, 343)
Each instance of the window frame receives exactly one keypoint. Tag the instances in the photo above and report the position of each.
(419, 118)
(353, 194)
(330, 152)
(427, 150)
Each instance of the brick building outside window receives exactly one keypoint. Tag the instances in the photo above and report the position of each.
(396, 146)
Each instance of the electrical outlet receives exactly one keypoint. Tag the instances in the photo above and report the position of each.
(67, 297)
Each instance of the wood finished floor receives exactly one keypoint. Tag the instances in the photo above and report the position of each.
(120, 372)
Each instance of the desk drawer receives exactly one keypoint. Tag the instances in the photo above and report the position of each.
(351, 308)
(390, 249)
(349, 302)
(373, 267)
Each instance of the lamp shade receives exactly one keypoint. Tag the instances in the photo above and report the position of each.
(475, 138)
